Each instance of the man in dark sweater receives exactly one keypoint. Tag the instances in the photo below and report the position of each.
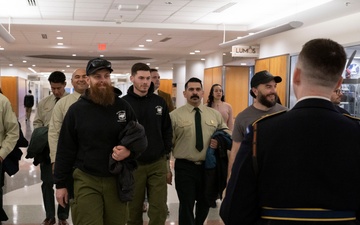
(88, 137)
(152, 112)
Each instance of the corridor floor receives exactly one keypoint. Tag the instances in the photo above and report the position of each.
(23, 200)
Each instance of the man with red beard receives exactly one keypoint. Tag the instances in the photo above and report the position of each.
(263, 90)
(88, 137)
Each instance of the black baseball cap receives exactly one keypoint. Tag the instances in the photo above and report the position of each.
(263, 77)
(97, 64)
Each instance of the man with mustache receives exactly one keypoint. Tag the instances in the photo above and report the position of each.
(151, 174)
(263, 90)
(89, 136)
(189, 151)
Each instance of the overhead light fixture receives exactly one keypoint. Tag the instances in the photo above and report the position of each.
(262, 34)
(128, 7)
(5, 34)
(31, 69)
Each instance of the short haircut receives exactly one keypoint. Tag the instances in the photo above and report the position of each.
(322, 61)
(193, 80)
(153, 70)
(57, 77)
(139, 67)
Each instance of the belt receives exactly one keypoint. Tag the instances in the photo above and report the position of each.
(306, 214)
(198, 163)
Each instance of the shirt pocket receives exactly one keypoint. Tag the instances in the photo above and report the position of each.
(186, 129)
(211, 125)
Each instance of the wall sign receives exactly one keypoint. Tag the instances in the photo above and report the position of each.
(245, 51)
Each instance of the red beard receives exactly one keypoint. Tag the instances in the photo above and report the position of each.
(103, 96)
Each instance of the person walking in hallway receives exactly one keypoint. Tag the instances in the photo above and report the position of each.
(263, 90)
(300, 166)
(28, 104)
(155, 78)
(150, 176)
(9, 135)
(88, 139)
(78, 80)
(216, 100)
(193, 125)
(44, 110)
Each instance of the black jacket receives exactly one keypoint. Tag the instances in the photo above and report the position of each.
(132, 137)
(216, 167)
(152, 112)
(308, 157)
(88, 134)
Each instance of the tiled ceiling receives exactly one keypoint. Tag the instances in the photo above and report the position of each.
(123, 25)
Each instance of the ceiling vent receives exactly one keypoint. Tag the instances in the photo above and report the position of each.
(165, 39)
(44, 36)
(31, 2)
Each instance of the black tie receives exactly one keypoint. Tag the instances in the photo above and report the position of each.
(56, 100)
(199, 136)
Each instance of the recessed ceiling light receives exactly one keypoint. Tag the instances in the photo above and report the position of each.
(33, 65)
(58, 31)
(101, 56)
(251, 33)
(10, 64)
(157, 67)
(159, 34)
(203, 59)
(148, 40)
(192, 53)
(67, 66)
(242, 64)
(197, 51)
(2, 49)
(59, 38)
(148, 64)
(24, 61)
(141, 46)
(73, 54)
(60, 43)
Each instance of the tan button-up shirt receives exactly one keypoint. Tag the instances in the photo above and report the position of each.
(44, 111)
(9, 127)
(183, 124)
(57, 117)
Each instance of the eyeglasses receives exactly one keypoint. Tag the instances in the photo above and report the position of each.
(338, 91)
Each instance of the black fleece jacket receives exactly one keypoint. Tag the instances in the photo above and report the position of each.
(87, 137)
(153, 113)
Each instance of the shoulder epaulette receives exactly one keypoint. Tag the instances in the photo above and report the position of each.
(351, 117)
(269, 115)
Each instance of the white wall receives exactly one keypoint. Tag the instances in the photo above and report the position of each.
(345, 31)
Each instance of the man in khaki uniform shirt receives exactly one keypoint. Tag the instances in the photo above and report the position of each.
(9, 134)
(78, 80)
(189, 163)
(44, 110)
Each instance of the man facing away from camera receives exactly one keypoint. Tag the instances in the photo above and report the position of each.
(301, 166)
